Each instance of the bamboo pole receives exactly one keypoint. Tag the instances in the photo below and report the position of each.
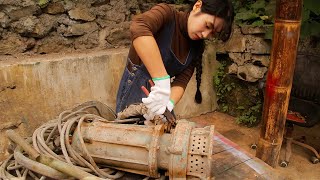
(279, 79)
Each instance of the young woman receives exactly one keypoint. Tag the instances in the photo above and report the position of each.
(167, 46)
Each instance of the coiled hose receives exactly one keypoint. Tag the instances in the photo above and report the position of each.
(53, 139)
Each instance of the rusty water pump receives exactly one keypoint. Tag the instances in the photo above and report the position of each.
(184, 153)
(90, 142)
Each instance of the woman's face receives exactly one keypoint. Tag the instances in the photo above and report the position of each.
(202, 25)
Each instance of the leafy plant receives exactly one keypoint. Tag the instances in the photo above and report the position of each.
(221, 87)
(250, 12)
(250, 116)
(310, 25)
(43, 3)
(236, 97)
(261, 12)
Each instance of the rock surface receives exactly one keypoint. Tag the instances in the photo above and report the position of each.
(64, 26)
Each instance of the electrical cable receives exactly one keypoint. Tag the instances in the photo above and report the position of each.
(53, 139)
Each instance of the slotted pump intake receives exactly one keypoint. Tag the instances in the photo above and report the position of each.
(185, 152)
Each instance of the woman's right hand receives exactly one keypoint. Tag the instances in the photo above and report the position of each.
(159, 96)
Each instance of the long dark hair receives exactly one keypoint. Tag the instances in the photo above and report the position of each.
(224, 10)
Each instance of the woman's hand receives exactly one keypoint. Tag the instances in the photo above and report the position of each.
(159, 96)
(150, 115)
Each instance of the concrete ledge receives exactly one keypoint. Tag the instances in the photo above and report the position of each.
(35, 90)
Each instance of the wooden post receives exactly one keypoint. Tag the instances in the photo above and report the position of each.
(279, 80)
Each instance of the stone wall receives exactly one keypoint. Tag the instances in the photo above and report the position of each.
(67, 25)
(249, 51)
(64, 25)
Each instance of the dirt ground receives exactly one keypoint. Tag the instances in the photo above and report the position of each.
(299, 167)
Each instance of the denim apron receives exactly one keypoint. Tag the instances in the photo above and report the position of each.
(129, 91)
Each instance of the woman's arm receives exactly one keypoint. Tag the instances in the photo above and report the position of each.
(176, 93)
(149, 53)
(180, 83)
(143, 28)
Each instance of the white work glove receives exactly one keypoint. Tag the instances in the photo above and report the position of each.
(170, 105)
(159, 96)
(150, 115)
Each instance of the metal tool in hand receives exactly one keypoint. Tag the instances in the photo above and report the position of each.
(171, 119)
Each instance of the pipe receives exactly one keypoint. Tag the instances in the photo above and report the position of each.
(37, 167)
(55, 164)
(24, 145)
(279, 80)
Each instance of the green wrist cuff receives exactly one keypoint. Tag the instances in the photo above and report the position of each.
(161, 78)
(172, 101)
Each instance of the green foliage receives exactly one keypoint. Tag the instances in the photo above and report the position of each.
(250, 12)
(310, 25)
(261, 12)
(179, 1)
(250, 116)
(43, 3)
(224, 107)
(312, 5)
(222, 88)
(236, 97)
(269, 33)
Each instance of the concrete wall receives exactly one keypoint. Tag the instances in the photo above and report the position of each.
(187, 107)
(35, 90)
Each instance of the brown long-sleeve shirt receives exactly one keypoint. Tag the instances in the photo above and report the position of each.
(151, 22)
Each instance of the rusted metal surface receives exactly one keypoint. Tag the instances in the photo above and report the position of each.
(179, 151)
(169, 116)
(185, 152)
(88, 142)
(279, 80)
(200, 153)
